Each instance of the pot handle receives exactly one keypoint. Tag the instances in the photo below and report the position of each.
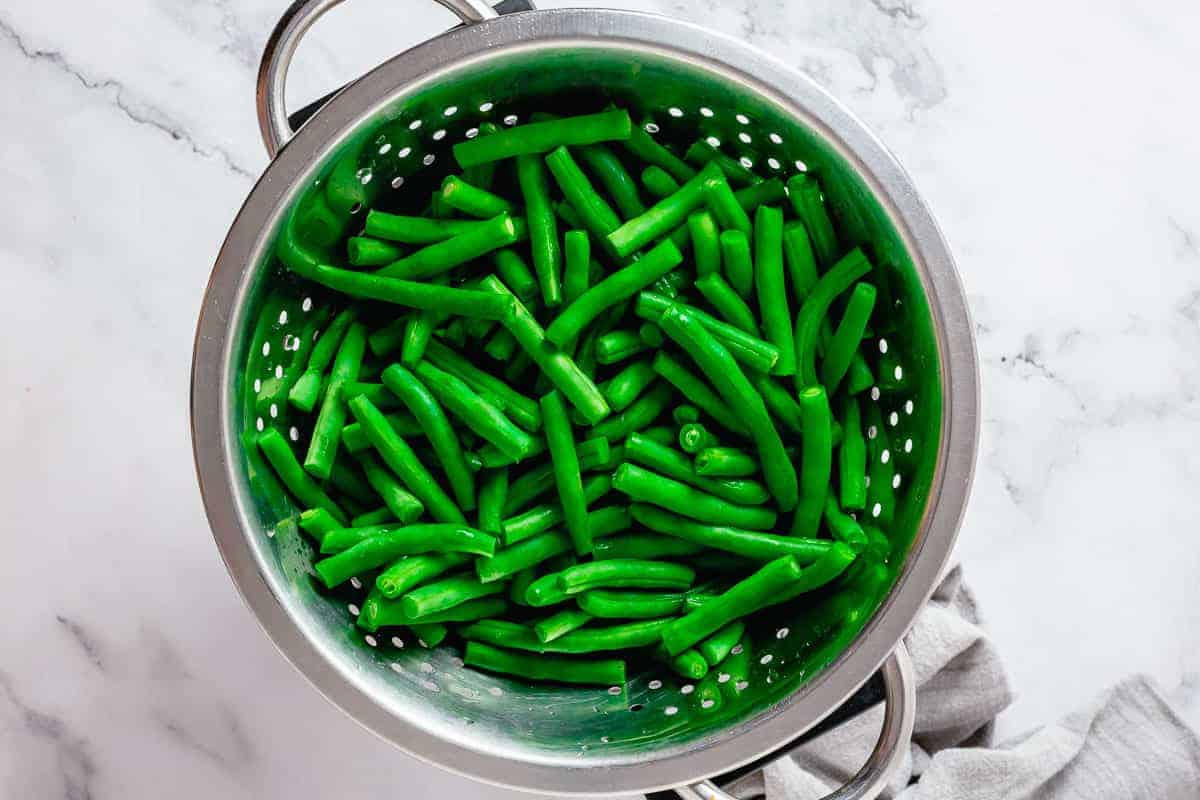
(900, 708)
(281, 47)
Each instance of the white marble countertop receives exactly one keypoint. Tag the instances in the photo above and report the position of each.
(1055, 142)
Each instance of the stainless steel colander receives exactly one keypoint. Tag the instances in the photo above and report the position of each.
(389, 133)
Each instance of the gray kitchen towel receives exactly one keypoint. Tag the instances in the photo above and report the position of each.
(1128, 743)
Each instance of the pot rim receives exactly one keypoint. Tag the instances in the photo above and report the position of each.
(216, 447)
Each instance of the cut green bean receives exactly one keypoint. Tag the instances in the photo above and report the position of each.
(415, 294)
(404, 506)
(327, 432)
(843, 526)
(772, 292)
(414, 230)
(379, 516)
(816, 460)
(801, 263)
(351, 482)
(627, 385)
(729, 304)
(805, 194)
(558, 625)
(640, 413)
(602, 672)
(412, 571)
(736, 261)
(577, 256)
(593, 210)
(523, 410)
(541, 137)
(501, 346)
(355, 440)
(648, 487)
(644, 146)
(317, 522)
(808, 320)
(663, 217)
(618, 345)
(543, 517)
(617, 181)
(623, 604)
(493, 491)
(345, 538)
(543, 228)
(735, 389)
(431, 634)
(703, 152)
(755, 353)
(436, 259)
(706, 243)
(718, 646)
(697, 392)
(389, 545)
(725, 462)
(858, 376)
(567, 477)
(737, 666)
(445, 594)
(725, 208)
(433, 420)
(843, 345)
(626, 574)
(514, 271)
(538, 480)
(377, 393)
(558, 367)
(780, 403)
(401, 459)
(694, 437)
(307, 389)
(684, 413)
(708, 693)
(363, 251)
(643, 546)
(417, 334)
(386, 613)
(384, 341)
(750, 544)
(760, 194)
(688, 664)
(658, 181)
(477, 413)
(852, 459)
(472, 200)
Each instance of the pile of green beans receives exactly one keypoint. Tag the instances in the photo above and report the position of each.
(591, 409)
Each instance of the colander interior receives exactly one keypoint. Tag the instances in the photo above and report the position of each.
(392, 160)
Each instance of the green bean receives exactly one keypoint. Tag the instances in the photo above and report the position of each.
(545, 591)
(729, 304)
(344, 538)
(618, 286)
(417, 334)
(688, 664)
(363, 251)
(753, 352)
(805, 194)
(307, 388)
(577, 256)
(501, 346)
(801, 263)
(858, 377)
(514, 271)
(772, 292)
(716, 647)
(433, 420)
(604, 672)
(377, 393)
(445, 594)
(472, 200)
(411, 571)
(385, 340)
(568, 215)
(664, 216)
(619, 184)
(852, 459)
(326, 433)
(477, 413)
(780, 403)
(826, 568)
(708, 693)
(684, 413)
(737, 263)
(404, 506)
(842, 346)
(385, 613)
(558, 367)
(658, 181)
(431, 634)
(643, 546)
(567, 477)
(523, 410)
(725, 462)
(703, 152)
(493, 491)
(619, 345)
(414, 294)
(761, 194)
(520, 584)
(541, 137)
(612, 604)
(404, 462)
(483, 175)
(645, 486)
(726, 209)
(595, 213)
(881, 491)
(351, 483)
(543, 228)
(414, 230)
(735, 389)
(737, 666)
(816, 460)
(558, 625)
(543, 517)
(440, 257)
(749, 544)
(697, 392)
(840, 277)
(388, 545)
(317, 522)
(540, 479)
(624, 636)
(628, 384)
(640, 413)
(659, 434)
(759, 590)
(355, 440)
(843, 526)
(625, 573)
(694, 437)
(643, 145)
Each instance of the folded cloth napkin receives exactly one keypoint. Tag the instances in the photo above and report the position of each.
(1128, 743)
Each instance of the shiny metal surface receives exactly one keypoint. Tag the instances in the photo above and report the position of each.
(499, 744)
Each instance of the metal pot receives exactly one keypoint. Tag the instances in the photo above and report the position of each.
(577, 741)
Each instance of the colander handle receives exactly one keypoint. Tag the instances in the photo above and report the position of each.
(900, 708)
(281, 47)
